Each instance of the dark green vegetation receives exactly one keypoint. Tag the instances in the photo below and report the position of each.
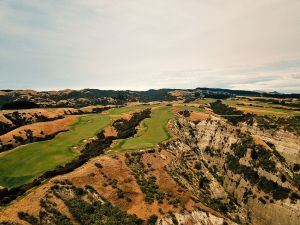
(261, 158)
(290, 124)
(233, 115)
(147, 183)
(19, 105)
(126, 129)
(96, 211)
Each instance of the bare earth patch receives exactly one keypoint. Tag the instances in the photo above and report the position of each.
(198, 116)
(110, 132)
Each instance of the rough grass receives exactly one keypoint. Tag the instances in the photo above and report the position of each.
(151, 132)
(261, 108)
(23, 163)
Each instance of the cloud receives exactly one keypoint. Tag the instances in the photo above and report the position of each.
(141, 44)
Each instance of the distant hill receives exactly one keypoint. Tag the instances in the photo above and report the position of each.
(85, 97)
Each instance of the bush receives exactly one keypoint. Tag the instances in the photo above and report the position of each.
(296, 167)
(79, 191)
(262, 200)
(28, 218)
(152, 219)
(264, 159)
(297, 180)
(281, 193)
(98, 165)
(197, 166)
(87, 214)
(120, 193)
(186, 113)
(222, 109)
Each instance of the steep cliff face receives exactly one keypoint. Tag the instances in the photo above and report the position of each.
(240, 172)
(287, 143)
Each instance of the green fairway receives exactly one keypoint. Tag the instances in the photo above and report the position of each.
(152, 131)
(204, 100)
(190, 108)
(127, 109)
(26, 162)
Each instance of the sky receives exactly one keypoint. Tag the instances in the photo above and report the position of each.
(144, 44)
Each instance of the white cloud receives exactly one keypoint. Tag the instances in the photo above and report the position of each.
(131, 44)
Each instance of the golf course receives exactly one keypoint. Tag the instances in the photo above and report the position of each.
(26, 162)
(151, 131)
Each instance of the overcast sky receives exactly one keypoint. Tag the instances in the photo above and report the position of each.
(143, 44)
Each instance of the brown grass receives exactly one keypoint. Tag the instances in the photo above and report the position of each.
(110, 132)
(198, 116)
(40, 130)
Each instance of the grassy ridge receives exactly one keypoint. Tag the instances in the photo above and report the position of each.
(152, 131)
(22, 164)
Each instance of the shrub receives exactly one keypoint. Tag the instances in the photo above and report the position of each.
(79, 191)
(264, 159)
(281, 193)
(120, 193)
(197, 166)
(296, 167)
(28, 218)
(297, 179)
(152, 219)
(186, 113)
(262, 200)
(98, 165)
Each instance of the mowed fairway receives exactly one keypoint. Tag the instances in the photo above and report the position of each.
(24, 163)
(152, 131)
(190, 108)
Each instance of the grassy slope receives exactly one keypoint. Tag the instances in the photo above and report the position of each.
(22, 164)
(152, 131)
